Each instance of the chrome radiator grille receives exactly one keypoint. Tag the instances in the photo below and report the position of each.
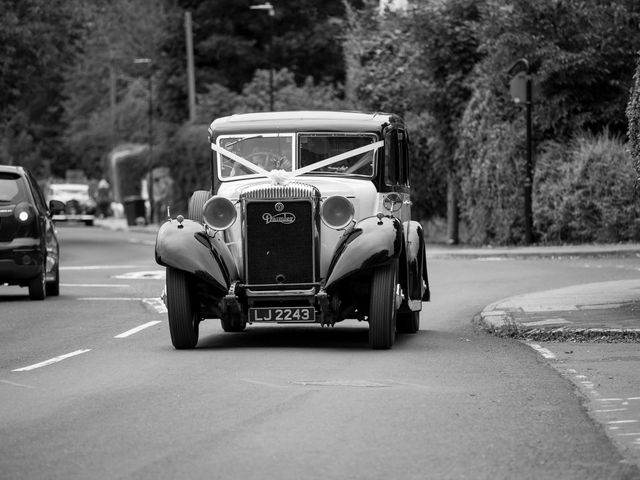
(280, 230)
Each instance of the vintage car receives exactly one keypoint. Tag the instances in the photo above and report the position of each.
(29, 250)
(307, 220)
(79, 205)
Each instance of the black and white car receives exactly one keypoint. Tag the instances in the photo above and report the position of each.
(307, 220)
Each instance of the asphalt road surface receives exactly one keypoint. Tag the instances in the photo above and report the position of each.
(90, 386)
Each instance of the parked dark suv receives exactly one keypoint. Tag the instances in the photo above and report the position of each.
(307, 220)
(29, 251)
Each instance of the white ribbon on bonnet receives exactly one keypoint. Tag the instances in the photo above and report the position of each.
(282, 177)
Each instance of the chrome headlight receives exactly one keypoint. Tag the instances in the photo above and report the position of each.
(337, 212)
(219, 213)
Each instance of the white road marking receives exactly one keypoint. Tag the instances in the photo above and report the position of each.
(95, 285)
(616, 422)
(99, 267)
(51, 360)
(546, 353)
(611, 410)
(137, 329)
(16, 384)
(146, 275)
(117, 299)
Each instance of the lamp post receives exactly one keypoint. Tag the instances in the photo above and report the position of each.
(520, 87)
(149, 63)
(271, 11)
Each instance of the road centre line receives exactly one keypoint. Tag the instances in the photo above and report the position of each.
(51, 361)
(137, 329)
(99, 267)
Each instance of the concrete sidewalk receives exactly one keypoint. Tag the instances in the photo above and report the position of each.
(606, 311)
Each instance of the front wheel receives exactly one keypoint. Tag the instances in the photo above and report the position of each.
(183, 321)
(382, 306)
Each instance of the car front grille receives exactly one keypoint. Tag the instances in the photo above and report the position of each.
(280, 228)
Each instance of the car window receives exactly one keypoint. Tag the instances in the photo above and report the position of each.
(12, 188)
(315, 147)
(266, 151)
(41, 204)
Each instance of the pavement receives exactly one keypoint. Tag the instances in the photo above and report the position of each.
(594, 312)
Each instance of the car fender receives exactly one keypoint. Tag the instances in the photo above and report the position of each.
(187, 247)
(371, 242)
(416, 261)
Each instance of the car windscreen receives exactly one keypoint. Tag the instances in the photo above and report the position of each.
(316, 147)
(266, 151)
(13, 189)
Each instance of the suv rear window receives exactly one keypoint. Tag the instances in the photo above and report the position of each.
(12, 188)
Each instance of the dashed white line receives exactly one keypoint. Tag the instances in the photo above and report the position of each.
(99, 267)
(118, 299)
(51, 361)
(137, 329)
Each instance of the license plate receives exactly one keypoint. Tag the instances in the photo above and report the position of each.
(287, 314)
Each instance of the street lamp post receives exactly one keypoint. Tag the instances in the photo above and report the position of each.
(148, 62)
(521, 92)
(271, 11)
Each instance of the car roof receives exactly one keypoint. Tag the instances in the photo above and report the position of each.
(303, 120)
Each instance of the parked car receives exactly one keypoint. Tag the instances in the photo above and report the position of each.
(307, 220)
(29, 250)
(79, 205)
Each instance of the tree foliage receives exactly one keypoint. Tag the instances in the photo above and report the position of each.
(37, 41)
(583, 66)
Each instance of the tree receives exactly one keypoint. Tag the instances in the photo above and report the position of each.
(231, 42)
(582, 58)
(37, 42)
(107, 95)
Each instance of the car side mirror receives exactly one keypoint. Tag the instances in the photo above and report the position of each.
(56, 206)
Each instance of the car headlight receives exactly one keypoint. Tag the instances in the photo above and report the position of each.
(219, 213)
(337, 212)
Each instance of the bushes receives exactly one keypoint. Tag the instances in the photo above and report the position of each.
(584, 192)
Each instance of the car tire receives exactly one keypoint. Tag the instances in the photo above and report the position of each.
(382, 306)
(196, 202)
(37, 285)
(183, 321)
(53, 287)
(408, 322)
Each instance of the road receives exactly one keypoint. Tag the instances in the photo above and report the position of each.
(90, 386)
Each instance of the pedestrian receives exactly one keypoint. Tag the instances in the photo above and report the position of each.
(103, 198)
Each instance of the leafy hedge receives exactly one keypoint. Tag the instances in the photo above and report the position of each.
(584, 191)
